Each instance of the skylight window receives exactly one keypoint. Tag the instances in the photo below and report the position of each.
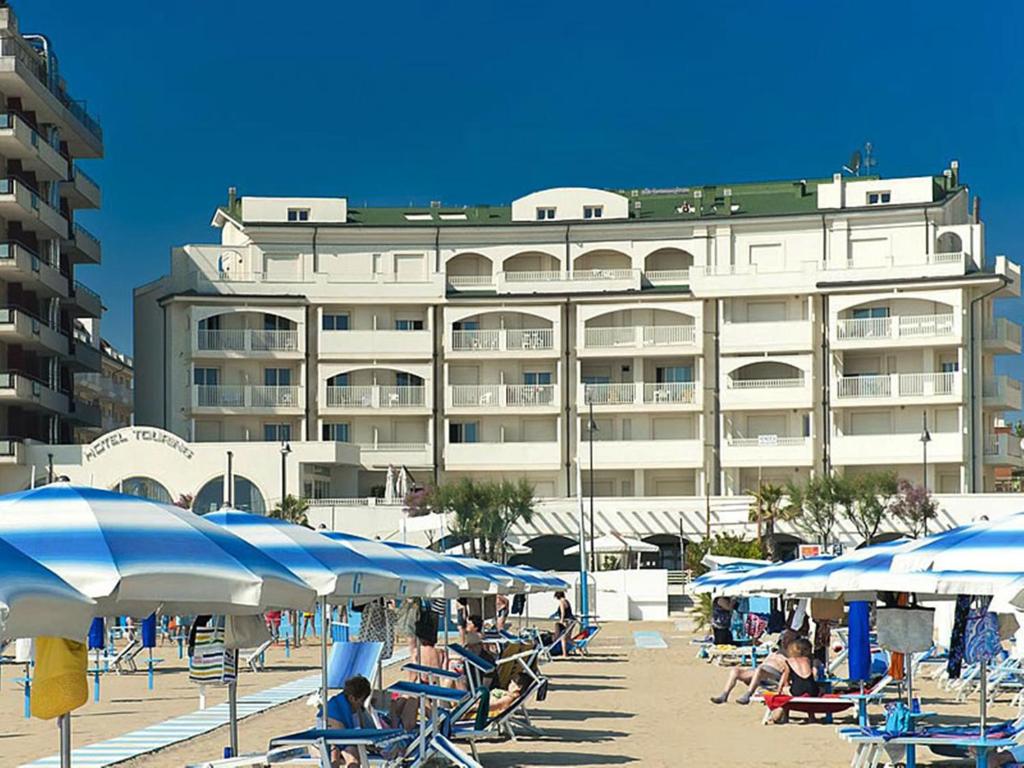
(458, 216)
(419, 217)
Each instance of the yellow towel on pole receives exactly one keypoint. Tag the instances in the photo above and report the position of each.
(59, 684)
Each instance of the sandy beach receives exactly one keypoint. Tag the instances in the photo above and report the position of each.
(623, 705)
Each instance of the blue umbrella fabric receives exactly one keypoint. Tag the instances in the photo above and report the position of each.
(506, 581)
(418, 581)
(134, 556)
(34, 601)
(720, 579)
(334, 570)
(537, 580)
(777, 578)
(468, 580)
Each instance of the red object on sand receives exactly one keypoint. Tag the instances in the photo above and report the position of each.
(828, 704)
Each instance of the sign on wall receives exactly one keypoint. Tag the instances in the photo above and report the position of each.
(134, 435)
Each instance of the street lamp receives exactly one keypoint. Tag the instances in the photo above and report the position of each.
(925, 438)
(286, 448)
(591, 429)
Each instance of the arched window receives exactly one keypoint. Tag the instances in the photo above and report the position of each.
(146, 488)
(949, 242)
(247, 496)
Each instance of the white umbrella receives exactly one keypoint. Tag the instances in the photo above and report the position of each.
(614, 543)
(389, 485)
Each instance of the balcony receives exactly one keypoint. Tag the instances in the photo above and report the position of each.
(561, 281)
(374, 396)
(780, 336)
(84, 246)
(20, 141)
(1003, 450)
(19, 389)
(103, 387)
(663, 339)
(895, 449)
(767, 451)
(20, 327)
(1002, 337)
(86, 300)
(81, 190)
(12, 451)
(383, 455)
(473, 397)
(769, 393)
(496, 342)
(19, 264)
(247, 398)
(84, 414)
(896, 331)
(378, 344)
(20, 202)
(503, 456)
(1002, 393)
(83, 355)
(470, 283)
(641, 396)
(247, 342)
(897, 388)
(644, 454)
(667, 278)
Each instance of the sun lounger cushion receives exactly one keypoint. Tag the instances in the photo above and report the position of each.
(817, 705)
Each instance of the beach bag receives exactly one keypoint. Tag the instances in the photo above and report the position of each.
(59, 684)
(211, 663)
(897, 719)
(908, 630)
(407, 616)
(981, 638)
(827, 610)
(245, 632)
(755, 625)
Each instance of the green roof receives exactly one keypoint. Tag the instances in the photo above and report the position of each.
(770, 198)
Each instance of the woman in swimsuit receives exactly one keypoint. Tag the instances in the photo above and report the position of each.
(798, 675)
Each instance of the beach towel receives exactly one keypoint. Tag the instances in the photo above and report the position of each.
(830, 703)
(59, 684)
(981, 638)
(954, 663)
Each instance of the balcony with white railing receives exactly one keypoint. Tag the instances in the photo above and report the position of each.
(562, 281)
(667, 278)
(496, 396)
(1003, 336)
(768, 336)
(503, 456)
(463, 283)
(247, 398)
(380, 455)
(1003, 450)
(1002, 393)
(740, 394)
(645, 454)
(888, 449)
(767, 451)
(599, 341)
(376, 396)
(895, 331)
(237, 342)
(534, 342)
(684, 395)
(889, 388)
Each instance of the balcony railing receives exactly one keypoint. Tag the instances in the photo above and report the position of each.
(609, 394)
(646, 393)
(1003, 445)
(85, 234)
(898, 327)
(792, 382)
(897, 385)
(503, 339)
(502, 395)
(1001, 387)
(81, 287)
(396, 447)
(246, 396)
(670, 392)
(639, 336)
(247, 340)
(106, 386)
(579, 275)
(1003, 331)
(376, 396)
(767, 441)
(470, 281)
(667, 276)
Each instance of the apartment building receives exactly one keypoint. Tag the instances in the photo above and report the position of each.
(44, 132)
(109, 390)
(721, 336)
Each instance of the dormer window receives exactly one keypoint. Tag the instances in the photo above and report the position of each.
(879, 198)
(298, 214)
(593, 211)
(545, 214)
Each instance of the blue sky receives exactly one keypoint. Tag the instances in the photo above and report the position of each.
(398, 102)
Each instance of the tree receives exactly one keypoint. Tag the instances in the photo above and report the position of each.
(766, 510)
(725, 544)
(184, 500)
(865, 500)
(292, 510)
(914, 507)
(813, 504)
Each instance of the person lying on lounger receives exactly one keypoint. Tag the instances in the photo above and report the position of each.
(798, 676)
(768, 673)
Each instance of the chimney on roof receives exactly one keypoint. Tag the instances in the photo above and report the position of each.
(801, 188)
(954, 167)
(232, 197)
(977, 210)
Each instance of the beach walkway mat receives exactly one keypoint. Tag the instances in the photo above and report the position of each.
(649, 640)
(185, 727)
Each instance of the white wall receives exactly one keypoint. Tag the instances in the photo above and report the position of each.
(322, 210)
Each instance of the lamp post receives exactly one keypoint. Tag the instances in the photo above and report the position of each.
(286, 448)
(591, 429)
(925, 438)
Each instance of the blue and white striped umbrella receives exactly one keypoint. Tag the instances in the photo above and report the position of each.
(508, 583)
(419, 581)
(720, 579)
(334, 570)
(777, 578)
(34, 601)
(537, 580)
(468, 580)
(135, 556)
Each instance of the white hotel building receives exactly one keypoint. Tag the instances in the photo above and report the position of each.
(724, 335)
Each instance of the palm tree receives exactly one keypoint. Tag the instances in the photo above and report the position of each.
(292, 509)
(766, 511)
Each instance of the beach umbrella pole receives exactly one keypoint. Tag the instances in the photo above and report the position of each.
(233, 712)
(323, 667)
(64, 723)
(983, 679)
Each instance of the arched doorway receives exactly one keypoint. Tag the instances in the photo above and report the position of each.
(144, 488)
(247, 496)
(548, 554)
(669, 555)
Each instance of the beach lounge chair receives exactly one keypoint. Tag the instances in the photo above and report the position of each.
(513, 720)
(874, 746)
(253, 658)
(125, 660)
(828, 704)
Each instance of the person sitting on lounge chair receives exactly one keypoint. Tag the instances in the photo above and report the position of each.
(502, 700)
(348, 710)
(798, 676)
(768, 673)
(565, 620)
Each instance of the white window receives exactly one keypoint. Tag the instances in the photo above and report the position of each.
(593, 211)
(879, 198)
(298, 214)
(545, 213)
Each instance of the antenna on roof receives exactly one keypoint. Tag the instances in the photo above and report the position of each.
(869, 159)
(854, 167)
(861, 162)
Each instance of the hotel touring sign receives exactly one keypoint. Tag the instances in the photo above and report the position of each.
(133, 435)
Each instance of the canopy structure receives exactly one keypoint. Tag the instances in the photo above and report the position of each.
(34, 601)
(417, 580)
(720, 561)
(134, 556)
(469, 580)
(614, 544)
(333, 569)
